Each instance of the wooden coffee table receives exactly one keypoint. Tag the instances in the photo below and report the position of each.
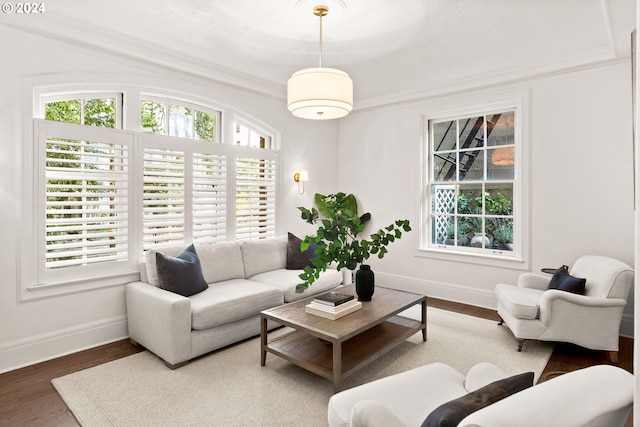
(334, 349)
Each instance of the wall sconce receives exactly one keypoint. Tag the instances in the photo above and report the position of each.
(301, 177)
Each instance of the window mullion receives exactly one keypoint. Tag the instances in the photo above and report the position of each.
(188, 209)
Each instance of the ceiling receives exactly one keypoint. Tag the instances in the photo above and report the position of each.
(394, 50)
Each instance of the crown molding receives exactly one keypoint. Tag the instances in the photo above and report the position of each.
(584, 60)
(57, 26)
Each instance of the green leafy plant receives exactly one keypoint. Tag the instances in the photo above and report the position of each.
(336, 238)
(503, 233)
(450, 230)
(494, 205)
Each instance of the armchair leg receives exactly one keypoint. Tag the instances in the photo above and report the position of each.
(520, 344)
(501, 322)
(613, 357)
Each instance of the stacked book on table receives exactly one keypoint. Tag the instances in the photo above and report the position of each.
(333, 305)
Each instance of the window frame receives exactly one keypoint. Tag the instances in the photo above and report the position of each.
(31, 285)
(473, 106)
(158, 98)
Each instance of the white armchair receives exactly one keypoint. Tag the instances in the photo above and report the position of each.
(591, 320)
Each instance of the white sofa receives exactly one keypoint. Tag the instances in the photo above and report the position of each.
(244, 278)
(598, 396)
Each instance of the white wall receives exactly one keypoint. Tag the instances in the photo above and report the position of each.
(41, 329)
(581, 182)
(581, 179)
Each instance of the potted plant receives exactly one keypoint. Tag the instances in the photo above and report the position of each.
(503, 236)
(337, 238)
(450, 237)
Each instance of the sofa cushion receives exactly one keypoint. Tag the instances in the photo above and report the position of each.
(523, 303)
(230, 300)
(287, 280)
(419, 382)
(454, 411)
(263, 255)
(182, 274)
(373, 413)
(220, 261)
(482, 374)
(296, 259)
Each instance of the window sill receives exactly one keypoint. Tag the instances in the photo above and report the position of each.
(50, 290)
(495, 259)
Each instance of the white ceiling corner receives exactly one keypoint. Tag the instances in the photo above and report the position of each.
(393, 49)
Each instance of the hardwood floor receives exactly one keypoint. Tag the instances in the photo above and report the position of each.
(27, 397)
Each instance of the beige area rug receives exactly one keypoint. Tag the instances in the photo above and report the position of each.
(230, 388)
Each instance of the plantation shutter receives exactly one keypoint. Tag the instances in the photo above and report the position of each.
(163, 197)
(255, 198)
(85, 202)
(209, 198)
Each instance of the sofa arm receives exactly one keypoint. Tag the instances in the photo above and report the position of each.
(600, 395)
(533, 281)
(371, 413)
(160, 321)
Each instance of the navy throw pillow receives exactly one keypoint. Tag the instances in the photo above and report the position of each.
(182, 274)
(296, 259)
(563, 281)
(558, 276)
(575, 285)
(451, 413)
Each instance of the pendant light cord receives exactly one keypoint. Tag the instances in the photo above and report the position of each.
(320, 64)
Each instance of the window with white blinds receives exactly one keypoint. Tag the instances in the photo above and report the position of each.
(174, 211)
(86, 196)
(104, 195)
(255, 198)
(209, 206)
(163, 197)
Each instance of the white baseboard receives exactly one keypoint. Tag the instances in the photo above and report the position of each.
(40, 348)
(440, 290)
(463, 294)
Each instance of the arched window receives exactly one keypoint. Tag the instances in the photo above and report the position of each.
(107, 190)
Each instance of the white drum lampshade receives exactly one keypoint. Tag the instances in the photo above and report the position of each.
(320, 93)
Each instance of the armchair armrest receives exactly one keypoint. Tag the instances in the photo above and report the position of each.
(160, 321)
(552, 295)
(533, 281)
(592, 322)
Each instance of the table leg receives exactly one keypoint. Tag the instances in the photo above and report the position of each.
(424, 320)
(337, 366)
(263, 341)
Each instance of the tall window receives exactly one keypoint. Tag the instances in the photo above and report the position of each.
(255, 186)
(472, 183)
(105, 194)
(85, 193)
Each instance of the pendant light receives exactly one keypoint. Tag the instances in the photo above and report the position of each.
(320, 93)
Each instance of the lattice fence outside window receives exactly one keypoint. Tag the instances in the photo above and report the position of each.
(444, 200)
